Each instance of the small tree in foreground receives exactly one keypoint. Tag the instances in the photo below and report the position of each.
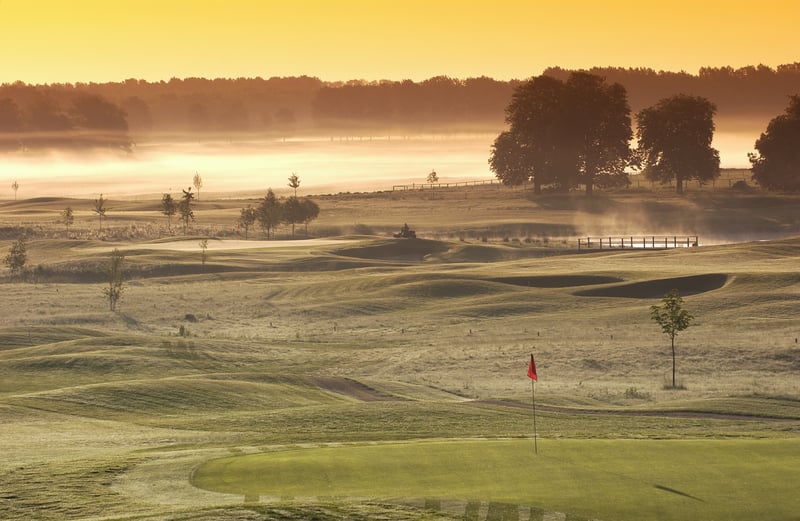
(116, 284)
(17, 257)
(673, 319)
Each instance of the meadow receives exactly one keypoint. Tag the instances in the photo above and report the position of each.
(356, 376)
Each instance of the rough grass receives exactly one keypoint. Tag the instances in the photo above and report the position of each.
(106, 414)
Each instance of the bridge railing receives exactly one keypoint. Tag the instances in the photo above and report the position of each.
(638, 242)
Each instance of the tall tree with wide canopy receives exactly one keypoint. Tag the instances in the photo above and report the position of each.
(675, 140)
(529, 150)
(777, 165)
(598, 119)
(565, 133)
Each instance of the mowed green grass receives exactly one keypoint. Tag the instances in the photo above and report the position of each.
(614, 480)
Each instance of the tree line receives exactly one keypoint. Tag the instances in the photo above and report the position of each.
(104, 114)
(578, 131)
(33, 117)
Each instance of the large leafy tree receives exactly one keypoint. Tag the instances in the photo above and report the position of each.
(599, 121)
(565, 133)
(777, 165)
(533, 149)
(675, 140)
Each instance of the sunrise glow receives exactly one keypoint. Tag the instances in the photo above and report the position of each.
(45, 41)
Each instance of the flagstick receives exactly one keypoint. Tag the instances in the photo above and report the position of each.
(533, 390)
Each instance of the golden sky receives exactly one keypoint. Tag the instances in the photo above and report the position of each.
(47, 41)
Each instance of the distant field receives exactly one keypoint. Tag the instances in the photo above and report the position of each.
(356, 376)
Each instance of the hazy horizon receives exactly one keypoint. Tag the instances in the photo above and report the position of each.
(324, 165)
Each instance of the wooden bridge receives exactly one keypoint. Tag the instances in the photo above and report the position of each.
(649, 242)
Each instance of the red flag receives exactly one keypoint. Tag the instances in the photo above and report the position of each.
(532, 370)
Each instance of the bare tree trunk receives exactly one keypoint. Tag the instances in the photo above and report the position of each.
(673, 361)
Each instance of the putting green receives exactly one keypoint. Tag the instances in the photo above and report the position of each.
(602, 479)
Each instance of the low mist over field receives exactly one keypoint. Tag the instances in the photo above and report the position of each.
(250, 165)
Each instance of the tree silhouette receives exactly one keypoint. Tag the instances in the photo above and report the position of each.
(269, 212)
(777, 165)
(294, 182)
(565, 133)
(673, 319)
(309, 211)
(10, 124)
(67, 217)
(198, 184)
(292, 212)
(17, 256)
(100, 209)
(169, 208)
(15, 187)
(599, 120)
(247, 218)
(185, 208)
(675, 140)
(116, 283)
(433, 177)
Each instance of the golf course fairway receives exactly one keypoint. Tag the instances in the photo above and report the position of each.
(599, 479)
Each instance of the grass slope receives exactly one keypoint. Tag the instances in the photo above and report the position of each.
(356, 346)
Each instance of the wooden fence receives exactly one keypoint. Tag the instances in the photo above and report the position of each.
(435, 186)
(641, 242)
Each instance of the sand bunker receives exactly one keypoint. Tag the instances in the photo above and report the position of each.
(691, 285)
(408, 250)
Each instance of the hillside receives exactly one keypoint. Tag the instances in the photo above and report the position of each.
(402, 351)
